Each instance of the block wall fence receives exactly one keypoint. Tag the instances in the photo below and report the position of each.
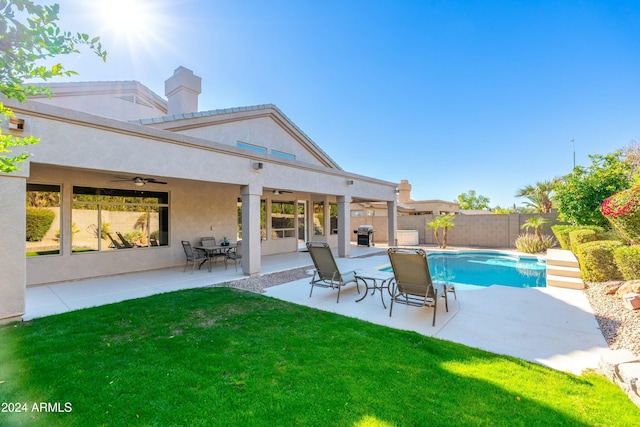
(487, 231)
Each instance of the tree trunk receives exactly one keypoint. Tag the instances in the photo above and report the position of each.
(444, 238)
(435, 234)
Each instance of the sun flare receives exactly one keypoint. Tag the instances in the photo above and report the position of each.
(136, 23)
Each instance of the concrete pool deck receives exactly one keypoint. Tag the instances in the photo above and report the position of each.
(554, 327)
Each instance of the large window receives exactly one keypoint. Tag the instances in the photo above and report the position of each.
(263, 219)
(318, 218)
(43, 219)
(282, 220)
(111, 219)
(333, 212)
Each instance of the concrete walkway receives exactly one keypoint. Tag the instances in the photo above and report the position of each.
(551, 326)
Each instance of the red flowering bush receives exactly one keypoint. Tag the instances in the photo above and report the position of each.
(623, 211)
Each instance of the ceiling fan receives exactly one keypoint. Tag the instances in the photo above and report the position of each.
(140, 181)
(277, 192)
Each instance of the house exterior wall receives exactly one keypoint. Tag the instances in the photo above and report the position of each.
(489, 230)
(12, 260)
(194, 210)
(204, 181)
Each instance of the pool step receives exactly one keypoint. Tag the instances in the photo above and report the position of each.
(561, 257)
(565, 282)
(563, 270)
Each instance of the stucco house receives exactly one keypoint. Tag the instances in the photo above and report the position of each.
(114, 157)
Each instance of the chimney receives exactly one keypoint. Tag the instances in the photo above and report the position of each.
(404, 191)
(182, 90)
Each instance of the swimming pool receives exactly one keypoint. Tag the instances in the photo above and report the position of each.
(470, 270)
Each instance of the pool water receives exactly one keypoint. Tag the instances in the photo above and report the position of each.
(470, 270)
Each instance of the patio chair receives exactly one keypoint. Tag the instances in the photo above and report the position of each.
(327, 274)
(114, 243)
(194, 256)
(234, 254)
(210, 242)
(125, 242)
(412, 281)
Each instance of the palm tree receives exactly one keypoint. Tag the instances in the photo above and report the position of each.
(539, 195)
(445, 222)
(536, 222)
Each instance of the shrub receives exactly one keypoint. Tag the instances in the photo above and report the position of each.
(38, 223)
(74, 230)
(562, 233)
(578, 237)
(623, 211)
(531, 244)
(596, 261)
(135, 236)
(612, 235)
(627, 259)
(105, 230)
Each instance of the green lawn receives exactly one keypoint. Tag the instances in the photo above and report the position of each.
(218, 356)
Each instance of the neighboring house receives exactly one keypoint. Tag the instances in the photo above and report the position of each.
(408, 206)
(116, 158)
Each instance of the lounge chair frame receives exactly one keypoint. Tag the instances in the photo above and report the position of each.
(327, 274)
(412, 282)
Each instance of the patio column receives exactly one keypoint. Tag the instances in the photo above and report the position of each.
(13, 262)
(344, 216)
(327, 219)
(251, 195)
(392, 216)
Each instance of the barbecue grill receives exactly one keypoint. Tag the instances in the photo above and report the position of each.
(365, 235)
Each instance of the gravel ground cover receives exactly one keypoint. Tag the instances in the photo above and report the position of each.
(619, 326)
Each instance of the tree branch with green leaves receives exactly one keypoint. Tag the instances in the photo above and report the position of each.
(29, 34)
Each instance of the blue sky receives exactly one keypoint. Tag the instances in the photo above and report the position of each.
(451, 95)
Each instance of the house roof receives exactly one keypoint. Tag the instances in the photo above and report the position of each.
(135, 92)
(62, 89)
(183, 121)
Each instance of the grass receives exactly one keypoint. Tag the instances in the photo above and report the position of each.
(219, 356)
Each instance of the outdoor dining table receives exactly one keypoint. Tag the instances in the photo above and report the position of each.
(374, 279)
(217, 249)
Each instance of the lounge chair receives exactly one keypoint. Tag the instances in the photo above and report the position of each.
(125, 242)
(327, 274)
(194, 256)
(412, 281)
(114, 243)
(234, 254)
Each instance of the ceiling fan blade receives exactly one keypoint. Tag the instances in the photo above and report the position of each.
(154, 181)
